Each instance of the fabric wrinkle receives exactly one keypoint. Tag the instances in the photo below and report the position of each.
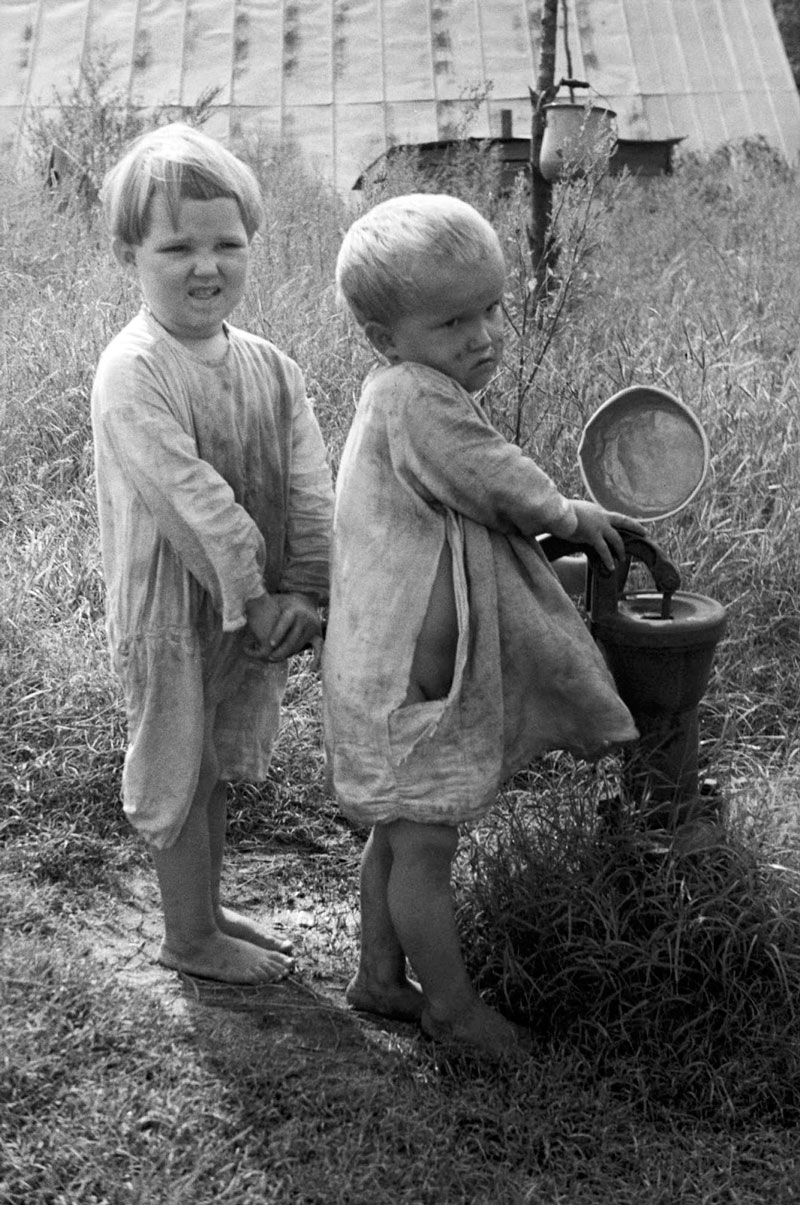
(422, 465)
(198, 468)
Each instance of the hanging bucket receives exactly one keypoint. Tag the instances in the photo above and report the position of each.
(576, 138)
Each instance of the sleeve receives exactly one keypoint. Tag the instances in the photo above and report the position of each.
(310, 514)
(455, 456)
(190, 504)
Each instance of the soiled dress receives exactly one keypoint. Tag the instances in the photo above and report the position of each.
(212, 486)
(423, 469)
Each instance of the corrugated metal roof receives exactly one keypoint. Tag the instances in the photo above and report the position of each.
(348, 78)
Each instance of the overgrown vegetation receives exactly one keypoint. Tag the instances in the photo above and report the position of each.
(661, 985)
(93, 120)
(682, 965)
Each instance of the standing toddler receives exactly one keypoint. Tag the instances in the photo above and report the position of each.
(214, 502)
(453, 657)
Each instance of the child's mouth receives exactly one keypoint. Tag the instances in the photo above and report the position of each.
(204, 294)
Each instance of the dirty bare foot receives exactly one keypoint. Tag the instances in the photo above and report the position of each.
(235, 924)
(402, 1001)
(228, 960)
(480, 1028)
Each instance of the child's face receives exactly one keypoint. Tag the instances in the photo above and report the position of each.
(192, 274)
(458, 327)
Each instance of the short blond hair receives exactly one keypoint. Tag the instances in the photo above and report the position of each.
(178, 163)
(390, 250)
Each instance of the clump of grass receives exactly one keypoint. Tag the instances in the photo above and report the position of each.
(69, 857)
(683, 963)
(94, 121)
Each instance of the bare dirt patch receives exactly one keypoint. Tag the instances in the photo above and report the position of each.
(313, 900)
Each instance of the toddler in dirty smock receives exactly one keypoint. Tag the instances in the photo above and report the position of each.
(453, 656)
(215, 501)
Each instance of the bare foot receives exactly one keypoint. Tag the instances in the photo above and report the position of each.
(227, 959)
(235, 924)
(481, 1028)
(401, 1001)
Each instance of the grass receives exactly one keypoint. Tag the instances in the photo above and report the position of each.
(287, 1101)
(661, 987)
(681, 965)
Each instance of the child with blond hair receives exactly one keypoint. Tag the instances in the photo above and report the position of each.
(214, 501)
(453, 657)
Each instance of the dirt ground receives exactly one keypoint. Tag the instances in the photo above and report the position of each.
(312, 899)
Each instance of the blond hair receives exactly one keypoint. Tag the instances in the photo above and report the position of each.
(176, 162)
(389, 252)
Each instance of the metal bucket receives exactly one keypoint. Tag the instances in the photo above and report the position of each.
(576, 138)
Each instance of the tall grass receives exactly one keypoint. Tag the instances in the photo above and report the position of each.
(677, 966)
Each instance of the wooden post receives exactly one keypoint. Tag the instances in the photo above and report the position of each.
(542, 249)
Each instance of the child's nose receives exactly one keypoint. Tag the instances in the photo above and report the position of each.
(205, 263)
(483, 332)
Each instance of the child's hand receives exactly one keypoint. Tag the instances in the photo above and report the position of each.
(262, 615)
(283, 626)
(598, 528)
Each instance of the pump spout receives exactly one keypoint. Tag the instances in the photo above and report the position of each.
(606, 588)
(666, 577)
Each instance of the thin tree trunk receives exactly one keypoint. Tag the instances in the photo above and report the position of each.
(542, 249)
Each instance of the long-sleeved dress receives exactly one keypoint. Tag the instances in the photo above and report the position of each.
(212, 486)
(423, 469)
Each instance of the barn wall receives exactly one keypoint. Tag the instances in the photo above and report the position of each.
(347, 78)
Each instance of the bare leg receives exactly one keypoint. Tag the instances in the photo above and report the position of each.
(187, 872)
(381, 984)
(421, 906)
(233, 923)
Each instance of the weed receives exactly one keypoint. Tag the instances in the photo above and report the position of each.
(683, 963)
(92, 123)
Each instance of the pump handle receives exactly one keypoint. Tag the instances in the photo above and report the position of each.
(666, 577)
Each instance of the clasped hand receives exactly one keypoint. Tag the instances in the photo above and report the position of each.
(280, 625)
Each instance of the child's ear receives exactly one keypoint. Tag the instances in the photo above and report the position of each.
(124, 253)
(381, 338)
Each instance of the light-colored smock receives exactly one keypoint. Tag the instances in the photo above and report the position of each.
(423, 469)
(212, 485)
